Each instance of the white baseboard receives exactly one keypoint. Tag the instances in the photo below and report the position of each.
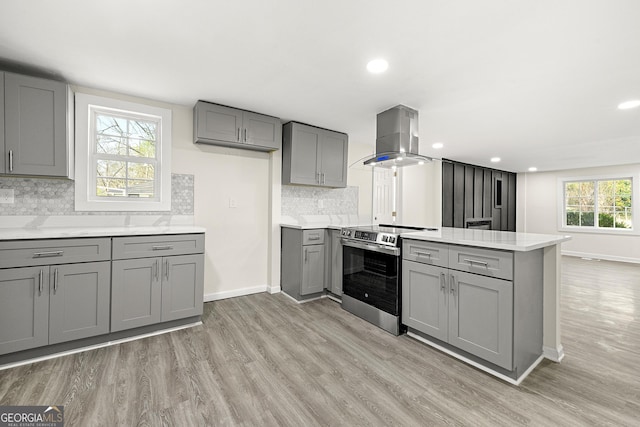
(236, 293)
(274, 289)
(601, 257)
(553, 354)
(476, 364)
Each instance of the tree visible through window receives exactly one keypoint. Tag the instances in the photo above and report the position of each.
(125, 155)
(598, 203)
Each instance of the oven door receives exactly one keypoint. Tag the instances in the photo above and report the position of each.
(371, 274)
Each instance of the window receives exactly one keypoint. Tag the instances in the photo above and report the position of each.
(123, 155)
(598, 204)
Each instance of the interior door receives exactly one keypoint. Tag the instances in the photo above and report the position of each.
(384, 196)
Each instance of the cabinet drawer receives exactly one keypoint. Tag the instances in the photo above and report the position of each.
(24, 253)
(152, 246)
(313, 237)
(426, 252)
(488, 262)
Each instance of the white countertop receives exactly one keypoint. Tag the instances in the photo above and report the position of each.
(62, 232)
(507, 240)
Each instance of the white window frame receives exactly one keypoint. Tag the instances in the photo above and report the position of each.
(85, 165)
(635, 204)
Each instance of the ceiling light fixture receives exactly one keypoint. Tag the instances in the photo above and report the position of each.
(634, 103)
(438, 145)
(495, 159)
(377, 66)
(533, 169)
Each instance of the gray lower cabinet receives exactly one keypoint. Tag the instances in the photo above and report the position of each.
(216, 124)
(147, 288)
(78, 301)
(35, 127)
(53, 304)
(335, 263)
(24, 309)
(472, 312)
(314, 156)
(302, 262)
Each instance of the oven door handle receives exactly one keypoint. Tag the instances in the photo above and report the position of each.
(374, 248)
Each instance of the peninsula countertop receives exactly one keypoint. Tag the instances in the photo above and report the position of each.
(506, 240)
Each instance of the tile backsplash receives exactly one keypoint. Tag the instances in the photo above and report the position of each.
(300, 201)
(50, 197)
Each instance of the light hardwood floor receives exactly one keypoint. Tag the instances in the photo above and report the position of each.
(265, 360)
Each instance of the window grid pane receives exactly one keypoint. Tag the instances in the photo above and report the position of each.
(125, 156)
(602, 204)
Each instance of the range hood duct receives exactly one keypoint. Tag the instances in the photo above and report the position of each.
(397, 139)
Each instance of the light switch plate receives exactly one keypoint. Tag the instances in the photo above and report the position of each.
(6, 195)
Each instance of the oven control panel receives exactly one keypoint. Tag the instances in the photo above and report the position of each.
(385, 239)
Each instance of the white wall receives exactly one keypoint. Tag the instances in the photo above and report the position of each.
(420, 188)
(238, 240)
(538, 213)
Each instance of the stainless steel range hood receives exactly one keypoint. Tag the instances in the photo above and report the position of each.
(397, 139)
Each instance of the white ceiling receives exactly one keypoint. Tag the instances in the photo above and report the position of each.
(534, 82)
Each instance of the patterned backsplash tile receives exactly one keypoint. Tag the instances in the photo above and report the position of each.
(42, 196)
(302, 200)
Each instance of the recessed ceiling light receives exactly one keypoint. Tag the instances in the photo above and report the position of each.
(377, 66)
(495, 159)
(634, 103)
(438, 145)
(533, 169)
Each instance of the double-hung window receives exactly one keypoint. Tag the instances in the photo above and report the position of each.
(603, 204)
(123, 155)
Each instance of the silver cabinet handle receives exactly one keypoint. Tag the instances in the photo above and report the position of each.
(318, 178)
(443, 282)
(427, 254)
(166, 268)
(155, 269)
(10, 160)
(40, 282)
(245, 134)
(238, 134)
(55, 280)
(305, 254)
(47, 254)
(473, 261)
(314, 237)
(162, 248)
(453, 285)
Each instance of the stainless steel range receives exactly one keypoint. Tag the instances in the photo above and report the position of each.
(371, 273)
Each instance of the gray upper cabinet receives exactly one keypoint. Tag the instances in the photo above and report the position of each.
(5, 159)
(314, 156)
(35, 127)
(230, 127)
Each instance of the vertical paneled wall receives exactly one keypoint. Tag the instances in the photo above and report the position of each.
(472, 192)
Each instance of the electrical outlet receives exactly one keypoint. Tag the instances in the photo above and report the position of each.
(233, 203)
(6, 195)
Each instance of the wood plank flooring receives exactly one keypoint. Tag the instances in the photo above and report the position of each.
(265, 360)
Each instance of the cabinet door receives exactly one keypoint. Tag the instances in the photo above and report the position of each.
(303, 143)
(336, 263)
(35, 126)
(135, 293)
(265, 131)
(79, 301)
(333, 159)
(218, 122)
(24, 308)
(5, 159)
(312, 269)
(424, 298)
(182, 286)
(481, 317)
